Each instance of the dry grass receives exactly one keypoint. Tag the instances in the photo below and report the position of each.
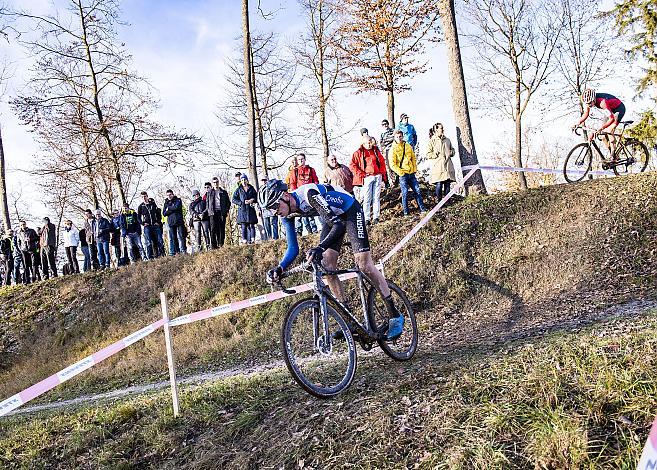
(480, 267)
(570, 400)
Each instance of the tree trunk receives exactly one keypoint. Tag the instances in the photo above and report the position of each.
(4, 203)
(248, 89)
(89, 170)
(322, 92)
(259, 128)
(464, 136)
(99, 111)
(322, 122)
(522, 180)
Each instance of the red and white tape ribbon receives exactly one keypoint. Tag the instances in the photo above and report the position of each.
(428, 217)
(71, 371)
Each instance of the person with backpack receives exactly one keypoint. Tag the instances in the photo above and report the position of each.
(131, 233)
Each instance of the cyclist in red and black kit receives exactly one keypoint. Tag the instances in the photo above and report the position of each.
(612, 105)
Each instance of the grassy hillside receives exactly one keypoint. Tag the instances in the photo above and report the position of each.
(485, 262)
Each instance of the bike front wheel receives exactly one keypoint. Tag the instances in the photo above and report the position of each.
(578, 163)
(322, 365)
(404, 347)
(632, 157)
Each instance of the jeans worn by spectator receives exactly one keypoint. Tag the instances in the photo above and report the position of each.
(48, 262)
(152, 237)
(309, 222)
(103, 254)
(271, 227)
(86, 266)
(372, 196)
(410, 181)
(202, 232)
(131, 240)
(177, 233)
(19, 272)
(160, 240)
(71, 255)
(28, 267)
(248, 233)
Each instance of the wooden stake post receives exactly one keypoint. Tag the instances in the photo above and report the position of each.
(170, 357)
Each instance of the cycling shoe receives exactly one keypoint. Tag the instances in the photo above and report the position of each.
(395, 328)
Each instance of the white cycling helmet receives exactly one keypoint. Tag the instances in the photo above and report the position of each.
(588, 96)
(270, 193)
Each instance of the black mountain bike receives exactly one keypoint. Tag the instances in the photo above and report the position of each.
(319, 332)
(630, 156)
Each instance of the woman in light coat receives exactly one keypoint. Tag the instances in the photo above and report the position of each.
(440, 153)
(71, 242)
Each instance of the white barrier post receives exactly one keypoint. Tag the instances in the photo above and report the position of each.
(170, 358)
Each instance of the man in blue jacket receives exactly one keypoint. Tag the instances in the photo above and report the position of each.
(410, 136)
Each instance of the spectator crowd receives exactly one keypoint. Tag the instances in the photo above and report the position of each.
(128, 235)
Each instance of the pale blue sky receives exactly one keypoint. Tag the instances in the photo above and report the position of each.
(180, 46)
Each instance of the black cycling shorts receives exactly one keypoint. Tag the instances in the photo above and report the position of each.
(619, 112)
(354, 220)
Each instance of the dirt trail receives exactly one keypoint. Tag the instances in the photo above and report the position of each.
(436, 343)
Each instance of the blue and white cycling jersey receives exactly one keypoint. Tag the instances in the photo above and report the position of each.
(337, 199)
(330, 203)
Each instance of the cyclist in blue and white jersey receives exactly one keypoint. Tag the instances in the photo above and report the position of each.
(340, 214)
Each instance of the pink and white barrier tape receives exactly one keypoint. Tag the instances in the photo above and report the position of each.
(427, 217)
(537, 170)
(648, 460)
(71, 371)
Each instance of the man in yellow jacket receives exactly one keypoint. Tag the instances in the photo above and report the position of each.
(404, 164)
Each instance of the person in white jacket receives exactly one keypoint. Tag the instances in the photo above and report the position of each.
(71, 242)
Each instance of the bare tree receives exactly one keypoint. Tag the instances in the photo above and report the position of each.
(382, 40)
(319, 53)
(248, 92)
(516, 43)
(82, 69)
(276, 87)
(464, 136)
(585, 47)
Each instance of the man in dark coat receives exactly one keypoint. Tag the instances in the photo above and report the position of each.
(217, 205)
(7, 256)
(245, 198)
(48, 244)
(172, 209)
(28, 243)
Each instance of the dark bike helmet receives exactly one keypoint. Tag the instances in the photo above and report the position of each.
(270, 193)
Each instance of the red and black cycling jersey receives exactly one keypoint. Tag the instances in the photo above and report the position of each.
(611, 102)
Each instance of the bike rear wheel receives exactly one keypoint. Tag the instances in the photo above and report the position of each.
(632, 156)
(578, 163)
(322, 366)
(404, 347)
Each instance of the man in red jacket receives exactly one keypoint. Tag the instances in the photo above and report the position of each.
(301, 174)
(369, 169)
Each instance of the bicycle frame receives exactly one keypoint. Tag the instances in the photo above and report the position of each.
(620, 145)
(324, 295)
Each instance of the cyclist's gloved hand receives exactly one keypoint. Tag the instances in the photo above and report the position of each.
(315, 255)
(274, 275)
